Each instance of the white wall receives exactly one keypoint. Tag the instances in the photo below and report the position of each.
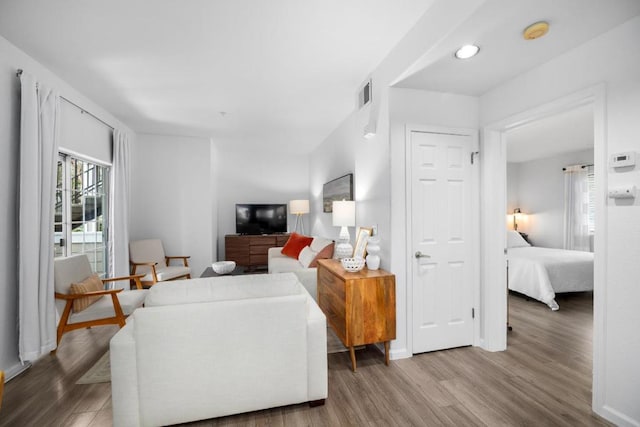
(540, 195)
(173, 196)
(11, 58)
(377, 176)
(612, 59)
(333, 159)
(258, 177)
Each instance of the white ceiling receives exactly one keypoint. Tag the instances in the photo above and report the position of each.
(286, 72)
(497, 28)
(548, 137)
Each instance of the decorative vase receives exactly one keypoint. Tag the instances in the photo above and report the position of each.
(373, 248)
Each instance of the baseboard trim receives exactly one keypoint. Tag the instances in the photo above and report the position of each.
(617, 417)
(399, 353)
(16, 370)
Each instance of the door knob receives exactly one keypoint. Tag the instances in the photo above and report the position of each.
(421, 255)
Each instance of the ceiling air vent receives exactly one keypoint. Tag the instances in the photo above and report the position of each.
(364, 96)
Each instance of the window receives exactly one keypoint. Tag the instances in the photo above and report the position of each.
(81, 211)
(591, 209)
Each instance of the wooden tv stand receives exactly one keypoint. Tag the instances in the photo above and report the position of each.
(250, 250)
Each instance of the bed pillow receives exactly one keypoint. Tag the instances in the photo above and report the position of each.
(295, 244)
(515, 240)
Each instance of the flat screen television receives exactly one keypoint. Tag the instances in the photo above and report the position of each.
(261, 219)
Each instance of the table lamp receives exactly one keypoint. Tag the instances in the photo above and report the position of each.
(344, 215)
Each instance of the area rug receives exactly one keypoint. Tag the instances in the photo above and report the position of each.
(100, 372)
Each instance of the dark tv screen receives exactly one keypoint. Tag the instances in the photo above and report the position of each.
(261, 219)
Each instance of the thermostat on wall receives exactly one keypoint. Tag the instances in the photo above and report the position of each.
(621, 160)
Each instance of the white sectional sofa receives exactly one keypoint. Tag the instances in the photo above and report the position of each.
(280, 263)
(211, 347)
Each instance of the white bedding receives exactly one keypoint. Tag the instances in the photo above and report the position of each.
(541, 272)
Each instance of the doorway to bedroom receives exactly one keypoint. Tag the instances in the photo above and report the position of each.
(550, 221)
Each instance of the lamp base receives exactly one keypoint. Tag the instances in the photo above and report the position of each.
(343, 250)
(343, 247)
(301, 222)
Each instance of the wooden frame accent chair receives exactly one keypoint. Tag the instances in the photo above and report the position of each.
(103, 306)
(147, 257)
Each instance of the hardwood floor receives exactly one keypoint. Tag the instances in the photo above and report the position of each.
(544, 378)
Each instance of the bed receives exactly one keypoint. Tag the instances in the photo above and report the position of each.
(540, 273)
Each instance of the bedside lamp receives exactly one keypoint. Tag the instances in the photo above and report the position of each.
(516, 217)
(344, 215)
(299, 208)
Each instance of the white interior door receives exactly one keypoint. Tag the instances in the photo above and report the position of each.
(442, 238)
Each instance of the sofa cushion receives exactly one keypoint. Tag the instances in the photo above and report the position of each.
(209, 289)
(284, 264)
(90, 284)
(295, 244)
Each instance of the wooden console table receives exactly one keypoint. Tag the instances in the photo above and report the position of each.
(251, 250)
(360, 307)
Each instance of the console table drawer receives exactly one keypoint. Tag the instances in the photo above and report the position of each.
(360, 307)
(269, 241)
(331, 284)
(251, 251)
(260, 249)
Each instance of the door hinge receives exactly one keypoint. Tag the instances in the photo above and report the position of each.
(473, 313)
(473, 154)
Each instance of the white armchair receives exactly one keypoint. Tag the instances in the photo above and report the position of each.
(147, 257)
(108, 307)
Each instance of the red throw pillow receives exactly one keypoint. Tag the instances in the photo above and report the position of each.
(325, 253)
(295, 244)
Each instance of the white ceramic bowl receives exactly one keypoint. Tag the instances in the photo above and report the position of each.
(223, 267)
(352, 264)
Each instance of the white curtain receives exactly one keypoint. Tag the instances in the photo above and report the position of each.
(119, 207)
(39, 128)
(576, 208)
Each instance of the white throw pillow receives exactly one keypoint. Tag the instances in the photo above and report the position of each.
(515, 240)
(306, 256)
(319, 243)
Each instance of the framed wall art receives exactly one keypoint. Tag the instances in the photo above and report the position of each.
(338, 189)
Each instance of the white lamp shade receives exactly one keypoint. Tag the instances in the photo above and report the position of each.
(344, 213)
(298, 207)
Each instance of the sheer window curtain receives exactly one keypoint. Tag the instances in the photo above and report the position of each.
(119, 207)
(576, 208)
(39, 128)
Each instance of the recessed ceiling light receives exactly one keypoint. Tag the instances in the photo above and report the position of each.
(535, 30)
(467, 51)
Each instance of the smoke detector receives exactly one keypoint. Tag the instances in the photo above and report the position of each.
(536, 30)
